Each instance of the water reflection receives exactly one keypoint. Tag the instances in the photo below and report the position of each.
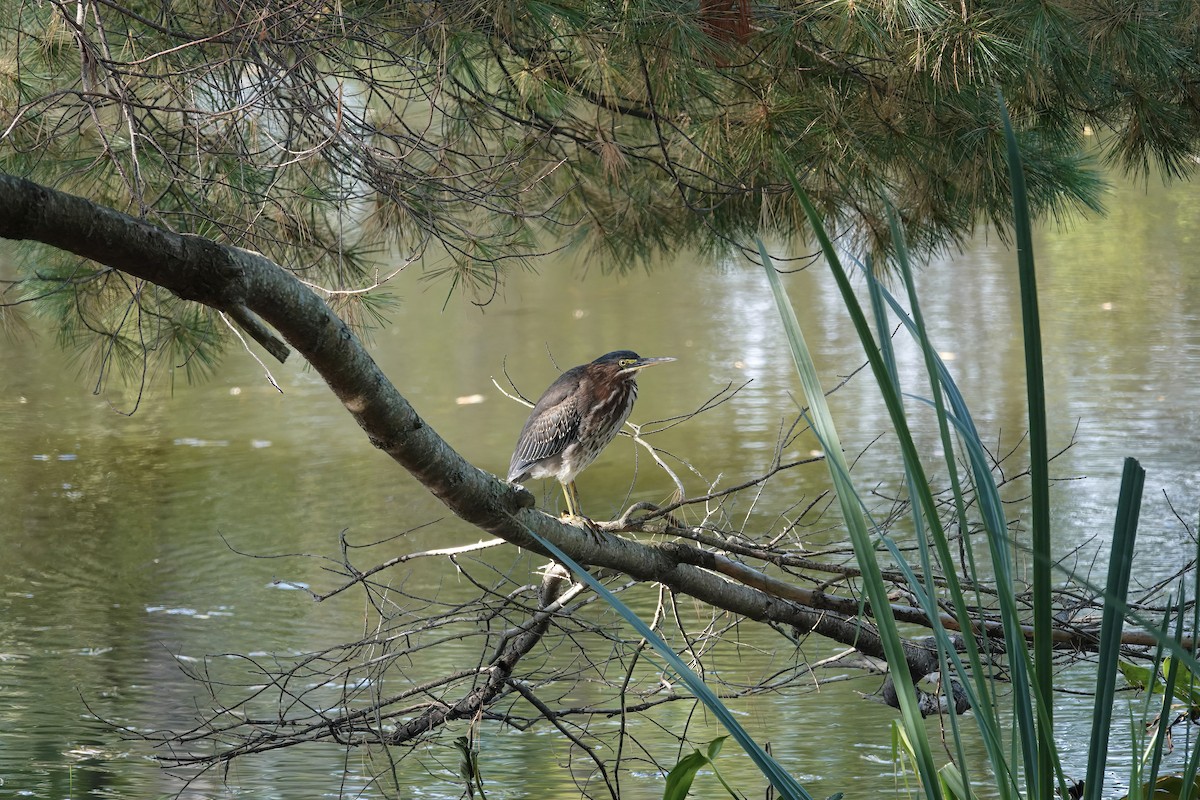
(124, 538)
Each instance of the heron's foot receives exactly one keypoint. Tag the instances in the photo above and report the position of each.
(588, 524)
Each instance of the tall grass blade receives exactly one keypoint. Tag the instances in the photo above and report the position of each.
(992, 515)
(1039, 467)
(921, 500)
(1193, 763)
(851, 505)
(1172, 669)
(781, 779)
(1120, 561)
(979, 695)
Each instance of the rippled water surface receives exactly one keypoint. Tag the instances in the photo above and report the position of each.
(133, 545)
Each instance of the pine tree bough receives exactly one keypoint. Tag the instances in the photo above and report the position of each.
(192, 267)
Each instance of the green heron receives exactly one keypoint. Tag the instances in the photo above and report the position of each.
(576, 418)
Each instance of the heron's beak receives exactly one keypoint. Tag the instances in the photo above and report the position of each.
(642, 363)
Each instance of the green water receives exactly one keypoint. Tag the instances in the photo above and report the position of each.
(129, 542)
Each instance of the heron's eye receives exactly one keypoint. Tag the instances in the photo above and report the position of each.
(627, 362)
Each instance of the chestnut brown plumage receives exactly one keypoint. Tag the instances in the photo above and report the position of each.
(576, 418)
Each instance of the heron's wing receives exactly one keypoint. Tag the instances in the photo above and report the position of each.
(552, 425)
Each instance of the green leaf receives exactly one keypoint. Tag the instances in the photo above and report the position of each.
(679, 779)
(1139, 677)
(714, 747)
(1147, 678)
(952, 783)
(1171, 787)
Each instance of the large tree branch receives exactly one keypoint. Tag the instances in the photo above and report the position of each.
(229, 279)
(192, 267)
(223, 277)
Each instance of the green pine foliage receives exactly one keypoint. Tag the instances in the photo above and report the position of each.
(328, 135)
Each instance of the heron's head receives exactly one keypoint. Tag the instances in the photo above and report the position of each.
(625, 363)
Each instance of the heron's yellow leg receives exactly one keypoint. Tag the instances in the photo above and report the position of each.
(572, 496)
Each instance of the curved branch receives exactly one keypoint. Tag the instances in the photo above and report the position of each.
(226, 278)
